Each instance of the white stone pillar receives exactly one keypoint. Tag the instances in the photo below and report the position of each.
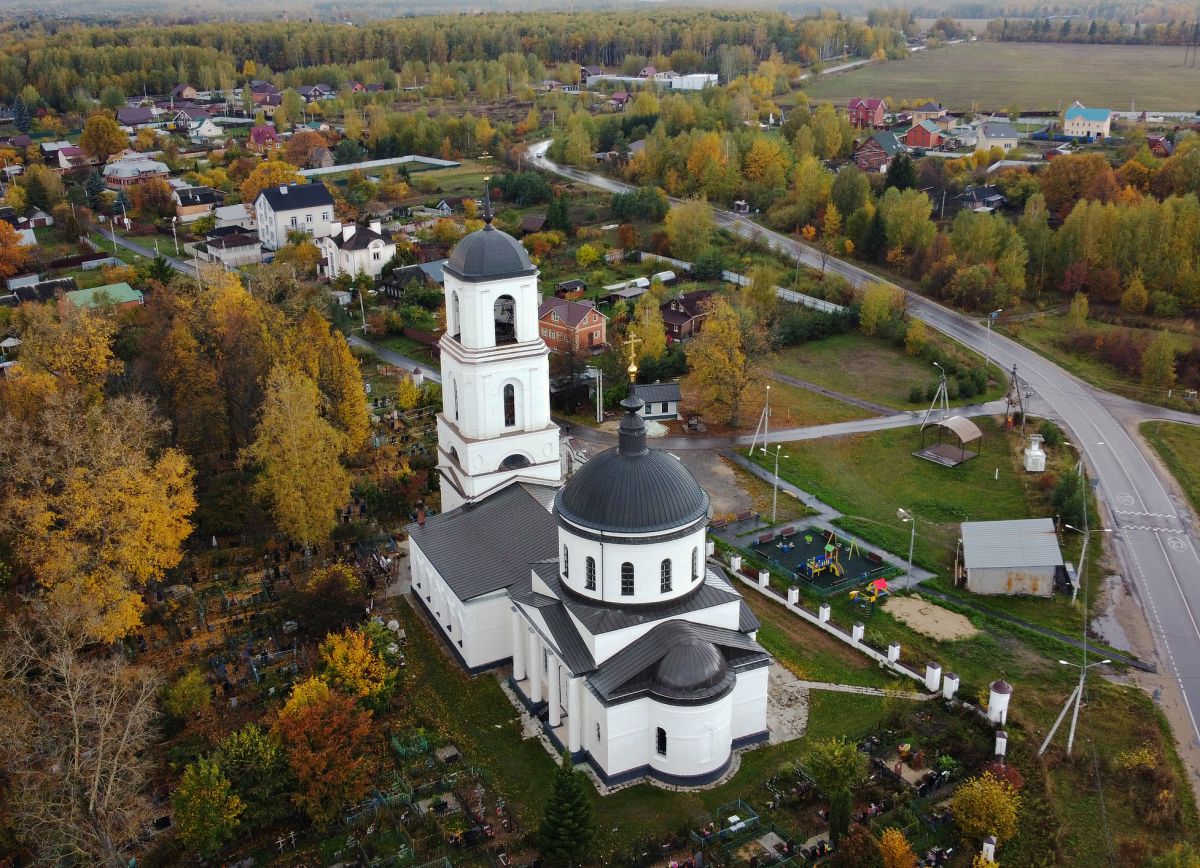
(894, 652)
(998, 698)
(949, 685)
(735, 563)
(553, 699)
(764, 578)
(823, 613)
(857, 631)
(709, 548)
(933, 676)
(534, 665)
(989, 849)
(574, 714)
(1001, 744)
(793, 596)
(518, 646)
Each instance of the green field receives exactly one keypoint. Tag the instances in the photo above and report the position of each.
(1178, 446)
(1033, 76)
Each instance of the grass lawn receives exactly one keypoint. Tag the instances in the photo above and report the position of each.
(787, 508)
(408, 347)
(1178, 446)
(793, 407)
(869, 368)
(1034, 76)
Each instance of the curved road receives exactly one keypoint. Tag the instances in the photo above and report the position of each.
(1152, 530)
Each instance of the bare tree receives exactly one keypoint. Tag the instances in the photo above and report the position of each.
(75, 726)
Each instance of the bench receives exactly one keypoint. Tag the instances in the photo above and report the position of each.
(874, 558)
(746, 516)
(787, 532)
(718, 524)
(766, 538)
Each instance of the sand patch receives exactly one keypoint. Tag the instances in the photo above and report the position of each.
(930, 619)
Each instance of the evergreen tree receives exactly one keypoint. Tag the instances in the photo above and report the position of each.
(875, 244)
(122, 203)
(558, 216)
(566, 830)
(21, 119)
(93, 189)
(901, 173)
(839, 816)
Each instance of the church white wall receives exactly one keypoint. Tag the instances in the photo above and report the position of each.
(699, 738)
(476, 306)
(750, 702)
(605, 645)
(646, 558)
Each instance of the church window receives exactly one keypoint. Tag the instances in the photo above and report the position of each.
(664, 575)
(660, 739)
(597, 732)
(455, 400)
(566, 564)
(627, 579)
(455, 320)
(695, 563)
(590, 578)
(504, 312)
(510, 405)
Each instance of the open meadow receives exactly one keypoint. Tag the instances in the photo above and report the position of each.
(1034, 76)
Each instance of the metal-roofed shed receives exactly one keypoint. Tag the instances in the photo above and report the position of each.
(1011, 557)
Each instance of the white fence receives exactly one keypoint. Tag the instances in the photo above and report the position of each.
(379, 164)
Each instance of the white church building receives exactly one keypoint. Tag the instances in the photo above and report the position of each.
(638, 654)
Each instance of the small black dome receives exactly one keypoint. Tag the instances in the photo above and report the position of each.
(489, 254)
(693, 668)
(632, 489)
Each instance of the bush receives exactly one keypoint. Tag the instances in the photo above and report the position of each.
(915, 394)
(188, 696)
(1052, 435)
(952, 389)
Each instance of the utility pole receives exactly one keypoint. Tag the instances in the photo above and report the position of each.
(906, 516)
(775, 484)
(987, 353)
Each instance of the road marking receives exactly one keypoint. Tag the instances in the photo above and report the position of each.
(1126, 499)
(1176, 543)
(1147, 514)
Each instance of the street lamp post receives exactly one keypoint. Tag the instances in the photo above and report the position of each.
(174, 234)
(906, 516)
(775, 484)
(987, 353)
(1083, 670)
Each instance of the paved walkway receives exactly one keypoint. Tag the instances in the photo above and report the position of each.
(181, 265)
(394, 358)
(867, 691)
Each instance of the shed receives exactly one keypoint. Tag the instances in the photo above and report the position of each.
(1011, 557)
(959, 428)
(659, 400)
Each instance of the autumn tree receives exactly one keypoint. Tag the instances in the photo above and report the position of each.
(880, 301)
(325, 358)
(297, 454)
(1077, 315)
(189, 695)
(1158, 363)
(254, 762)
(835, 764)
(102, 137)
(13, 252)
(145, 140)
(207, 811)
(269, 173)
(858, 849)
(302, 146)
(567, 827)
(329, 743)
(351, 665)
(689, 228)
(895, 850)
(1135, 299)
(647, 326)
(916, 338)
(153, 199)
(76, 738)
(720, 368)
(986, 806)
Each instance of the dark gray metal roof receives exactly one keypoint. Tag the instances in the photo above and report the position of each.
(297, 196)
(654, 393)
(562, 630)
(489, 254)
(481, 548)
(747, 621)
(677, 661)
(598, 617)
(1029, 542)
(632, 489)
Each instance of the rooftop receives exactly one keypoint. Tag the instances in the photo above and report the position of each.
(1029, 542)
(98, 296)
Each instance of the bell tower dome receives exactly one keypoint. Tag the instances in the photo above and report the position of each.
(495, 422)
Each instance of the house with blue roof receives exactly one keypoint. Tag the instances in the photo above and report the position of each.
(1080, 122)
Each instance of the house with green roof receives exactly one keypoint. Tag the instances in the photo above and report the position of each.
(120, 295)
(1081, 122)
(874, 154)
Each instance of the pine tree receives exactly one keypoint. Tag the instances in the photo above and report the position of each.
(875, 244)
(901, 173)
(21, 119)
(567, 829)
(558, 216)
(93, 189)
(839, 815)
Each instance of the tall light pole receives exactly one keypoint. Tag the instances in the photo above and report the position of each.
(906, 516)
(987, 353)
(775, 484)
(1083, 670)
(174, 234)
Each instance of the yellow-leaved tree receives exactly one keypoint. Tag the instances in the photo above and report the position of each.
(298, 457)
(689, 228)
(325, 358)
(647, 327)
(351, 665)
(76, 348)
(721, 370)
(895, 850)
(269, 173)
(986, 805)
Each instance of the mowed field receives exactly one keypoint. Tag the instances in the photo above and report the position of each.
(1034, 76)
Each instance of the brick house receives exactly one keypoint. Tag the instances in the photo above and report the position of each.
(926, 135)
(931, 111)
(874, 154)
(566, 325)
(866, 112)
(684, 315)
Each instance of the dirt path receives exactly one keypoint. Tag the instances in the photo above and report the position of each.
(930, 619)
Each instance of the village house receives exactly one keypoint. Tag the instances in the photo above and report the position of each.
(684, 315)
(267, 103)
(866, 112)
(231, 246)
(183, 92)
(320, 158)
(572, 326)
(73, 159)
(659, 400)
(586, 72)
(134, 170)
(570, 289)
(136, 117)
(926, 135)
(931, 111)
(354, 250)
(1081, 122)
(1160, 146)
(119, 295)
(192, 203)
(356, 87)
(239, 215)
(876, 153)
(259, 86)
(531, 223)
(261, 138)
(293, 208)
(984, 198)
(996, 134)
(316, 92)
(376, 87)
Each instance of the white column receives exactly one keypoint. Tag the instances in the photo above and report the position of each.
(574, 714)
(554, 699)
(518, 646)
(534, 665)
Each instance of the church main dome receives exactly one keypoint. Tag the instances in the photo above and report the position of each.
(632, 489)
(489, 254)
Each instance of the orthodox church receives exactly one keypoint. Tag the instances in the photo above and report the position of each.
(639, 656)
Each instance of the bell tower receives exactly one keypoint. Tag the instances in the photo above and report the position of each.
(495, 422)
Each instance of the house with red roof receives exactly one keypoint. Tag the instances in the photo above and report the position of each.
(568, 326)
(926, 134)
(866, 112)
(262, 137)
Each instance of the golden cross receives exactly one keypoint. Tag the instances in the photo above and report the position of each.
(632, 343)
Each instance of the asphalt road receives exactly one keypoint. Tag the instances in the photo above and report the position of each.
(183, 266)
(1152, 531)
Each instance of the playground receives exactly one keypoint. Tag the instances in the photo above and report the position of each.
(819, 557)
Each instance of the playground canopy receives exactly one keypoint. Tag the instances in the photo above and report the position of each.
(961, 429)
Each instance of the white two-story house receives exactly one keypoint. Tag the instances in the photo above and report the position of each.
(356, 250)
(294, 207)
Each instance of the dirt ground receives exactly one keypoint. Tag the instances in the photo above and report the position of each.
(718, 479)
(930, 619)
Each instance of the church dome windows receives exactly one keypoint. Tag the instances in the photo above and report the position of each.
(664, 576)
(589, 579)
(505, 320)
(566, 564)
(627, 579)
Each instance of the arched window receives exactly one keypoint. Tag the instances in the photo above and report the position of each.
(455, 382)
(660, 741)
(504, 312)
(510, 405)
(455, 319)
(664, 575)
(627, 579)
(695, 563)
(590, 578)
(566, 564)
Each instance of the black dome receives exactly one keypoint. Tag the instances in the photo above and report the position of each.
(489, 254)
(694, 668)
(632, 489)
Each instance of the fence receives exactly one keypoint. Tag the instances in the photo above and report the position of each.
(654, 257)
(787, 294)
(432, 162)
